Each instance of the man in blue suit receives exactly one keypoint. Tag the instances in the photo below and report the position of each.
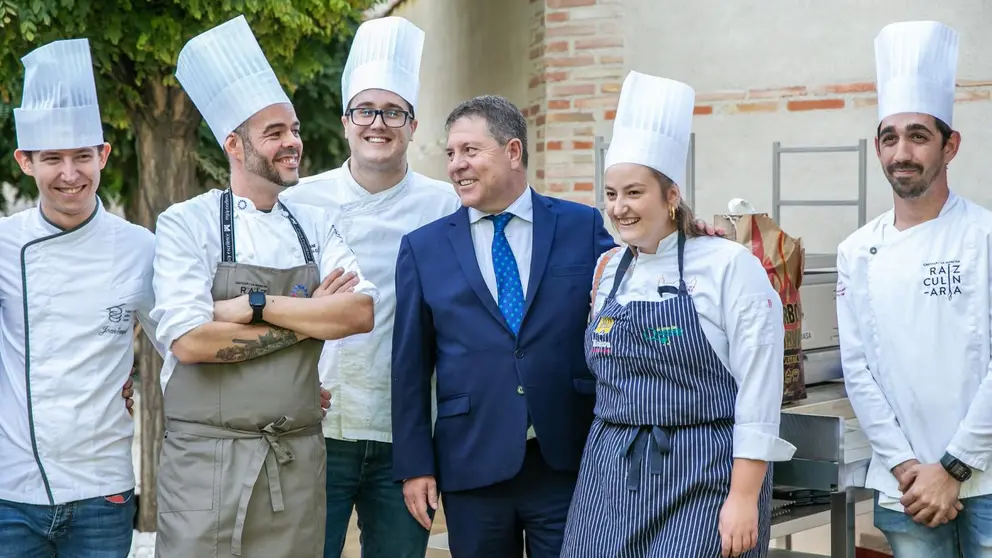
(495, 299)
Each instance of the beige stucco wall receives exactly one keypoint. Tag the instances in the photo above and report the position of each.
(747, 44)
(473, 47)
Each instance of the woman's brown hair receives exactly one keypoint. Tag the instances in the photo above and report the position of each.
(685, 219)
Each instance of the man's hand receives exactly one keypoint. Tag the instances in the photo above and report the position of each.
(336, 282)
(932, 498)
(899, 472)
(708, 229)
(325, 400)
(233, 311)
(128, 394)
(418, 493)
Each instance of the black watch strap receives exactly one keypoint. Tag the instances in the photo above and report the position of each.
(955, 467)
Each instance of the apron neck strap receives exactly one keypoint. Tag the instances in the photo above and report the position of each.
(628, 257)
(227, 229)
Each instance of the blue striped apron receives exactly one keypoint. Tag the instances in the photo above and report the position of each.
(656, 467)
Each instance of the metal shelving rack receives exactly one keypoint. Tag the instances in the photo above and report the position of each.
(861, 203)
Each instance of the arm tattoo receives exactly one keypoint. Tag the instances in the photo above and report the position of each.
(269, 342)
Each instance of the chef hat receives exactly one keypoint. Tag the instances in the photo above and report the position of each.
(59, 108)
(653, 125)
(385, 55)
(916, 62)
(225, 73)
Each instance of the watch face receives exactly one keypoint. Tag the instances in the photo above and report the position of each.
(256, 298)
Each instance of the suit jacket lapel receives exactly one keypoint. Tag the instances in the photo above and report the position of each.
(545, 220)
(460, 236)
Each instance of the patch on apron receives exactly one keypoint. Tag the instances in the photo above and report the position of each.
(662, 335)
(601, 347)
(604, 325)
(299, 291)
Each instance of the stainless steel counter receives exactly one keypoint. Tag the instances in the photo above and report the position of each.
(832, 455)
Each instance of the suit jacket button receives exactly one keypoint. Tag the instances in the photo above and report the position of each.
(518, 353)
(520, 390)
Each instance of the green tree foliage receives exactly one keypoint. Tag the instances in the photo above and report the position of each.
(135, 45)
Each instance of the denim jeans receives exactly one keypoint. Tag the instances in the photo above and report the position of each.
(360, 475)
(94, 528)
(968, 536)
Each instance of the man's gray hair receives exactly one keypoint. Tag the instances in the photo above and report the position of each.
(503, 119)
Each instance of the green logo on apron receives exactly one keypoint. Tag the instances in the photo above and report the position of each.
(662, 335)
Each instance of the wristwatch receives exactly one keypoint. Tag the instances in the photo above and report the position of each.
(955, 467)
(256, 299)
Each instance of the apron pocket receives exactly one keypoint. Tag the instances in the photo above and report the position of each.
(187, 473)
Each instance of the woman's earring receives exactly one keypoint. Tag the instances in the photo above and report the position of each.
(671, 211)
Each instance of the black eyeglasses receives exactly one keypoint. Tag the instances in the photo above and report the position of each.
(392, 118)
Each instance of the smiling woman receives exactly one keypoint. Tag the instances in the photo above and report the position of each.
(67, 181)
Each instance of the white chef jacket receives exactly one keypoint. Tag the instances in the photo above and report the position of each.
(357, 370)
(188, 250)
(68, 304)
(741, 317)
(913, 310)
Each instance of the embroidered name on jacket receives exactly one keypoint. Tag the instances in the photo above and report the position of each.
(662, 335)
(942, 278)
(119, 321)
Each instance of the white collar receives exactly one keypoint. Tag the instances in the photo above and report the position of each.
(52, 228)
(247, 207)
(349, 180)
(522, 208)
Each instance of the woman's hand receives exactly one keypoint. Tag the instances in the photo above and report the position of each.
(738, 525)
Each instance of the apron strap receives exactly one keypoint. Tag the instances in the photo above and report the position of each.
(227, 229)
(628, 257)
(269, 452)
(681, 290)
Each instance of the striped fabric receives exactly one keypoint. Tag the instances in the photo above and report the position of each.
(657, 463)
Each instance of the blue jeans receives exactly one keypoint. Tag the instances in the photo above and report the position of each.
(360, 475)
(93, 528)
(968, 536)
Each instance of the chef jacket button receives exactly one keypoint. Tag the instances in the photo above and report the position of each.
(520, 390)
(873, 250)
(518, 353)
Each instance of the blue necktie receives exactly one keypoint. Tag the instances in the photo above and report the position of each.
(508, 285)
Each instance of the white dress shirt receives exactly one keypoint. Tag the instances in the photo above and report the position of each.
(519, 233)
(741, 317)
(68, 305)
(188, 249)
(357, 370)
(914, 315)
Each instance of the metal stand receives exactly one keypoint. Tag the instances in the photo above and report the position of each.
(600, 146)
(861, 203)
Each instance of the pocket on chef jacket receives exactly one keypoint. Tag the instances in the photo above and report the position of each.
(758, 320)
(188, 473)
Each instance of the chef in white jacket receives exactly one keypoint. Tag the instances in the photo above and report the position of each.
(74, 280)
(913, 304)
(379, 199)
(245, 296)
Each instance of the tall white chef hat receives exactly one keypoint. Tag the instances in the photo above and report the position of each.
(385, 55)
(225, 73)
(916, 63)
(59, 107)
(653, 125)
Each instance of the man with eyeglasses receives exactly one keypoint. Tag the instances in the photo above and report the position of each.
(379, 200)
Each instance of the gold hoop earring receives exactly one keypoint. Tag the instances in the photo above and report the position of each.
(671, 211)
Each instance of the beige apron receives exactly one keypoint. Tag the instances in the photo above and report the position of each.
(243, 462)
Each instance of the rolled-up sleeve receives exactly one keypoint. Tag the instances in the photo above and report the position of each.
(182, 281)
(335, 253)
(756, 335)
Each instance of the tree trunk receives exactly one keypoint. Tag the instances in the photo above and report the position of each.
(165, 131)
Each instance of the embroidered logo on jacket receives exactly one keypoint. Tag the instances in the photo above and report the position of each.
(119, 318)
(662, 335)
(942, 278)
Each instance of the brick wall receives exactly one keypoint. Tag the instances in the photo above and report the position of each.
(577, 67)
(578, 54)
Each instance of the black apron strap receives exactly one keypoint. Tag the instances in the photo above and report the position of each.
(681, 290)
(628, 256)
(227, 230)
